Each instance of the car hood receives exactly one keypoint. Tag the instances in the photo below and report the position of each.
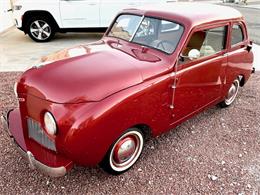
(85, 73)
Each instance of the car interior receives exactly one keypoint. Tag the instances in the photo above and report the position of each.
(156, 33)
(207, 42)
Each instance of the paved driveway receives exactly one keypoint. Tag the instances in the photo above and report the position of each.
(18, 52)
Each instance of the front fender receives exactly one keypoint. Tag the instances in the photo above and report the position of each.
(95, 126)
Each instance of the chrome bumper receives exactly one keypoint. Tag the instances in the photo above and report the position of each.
(33, 163)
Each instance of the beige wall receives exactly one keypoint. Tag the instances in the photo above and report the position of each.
(6, 19)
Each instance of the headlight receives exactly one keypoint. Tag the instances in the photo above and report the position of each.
(15, 89)
(50, 123)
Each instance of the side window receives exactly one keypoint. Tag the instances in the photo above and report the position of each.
(208, 41)
(237, 35)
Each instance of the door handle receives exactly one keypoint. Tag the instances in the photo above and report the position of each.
(174, 85)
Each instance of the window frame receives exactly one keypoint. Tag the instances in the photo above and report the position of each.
(242, 25)
(207, 27)
(149, 16)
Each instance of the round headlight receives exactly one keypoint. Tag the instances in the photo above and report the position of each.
(50, 123)
(15, 89)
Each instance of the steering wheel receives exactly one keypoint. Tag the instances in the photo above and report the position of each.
(162, 44)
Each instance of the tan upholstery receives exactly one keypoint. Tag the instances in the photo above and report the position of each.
(195, 42)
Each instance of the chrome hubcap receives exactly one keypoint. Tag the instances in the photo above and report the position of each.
(232, 92)
(126, 151)
(40, 30)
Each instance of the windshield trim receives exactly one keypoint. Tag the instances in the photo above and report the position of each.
(142, 18)
(139, 24)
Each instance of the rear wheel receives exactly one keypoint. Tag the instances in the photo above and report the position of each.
(231, 95)
(40, 29)
(124, 152)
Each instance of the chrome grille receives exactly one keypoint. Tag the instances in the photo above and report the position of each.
(38, 134)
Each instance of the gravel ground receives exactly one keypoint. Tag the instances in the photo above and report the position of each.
(216, 152)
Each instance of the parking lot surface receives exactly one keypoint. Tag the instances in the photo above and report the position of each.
(18, 52)
(216, 152)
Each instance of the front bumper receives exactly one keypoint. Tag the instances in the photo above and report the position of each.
(17, 16)
(9, 122)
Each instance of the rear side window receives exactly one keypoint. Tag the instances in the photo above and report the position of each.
(237, 35)
(208, 41)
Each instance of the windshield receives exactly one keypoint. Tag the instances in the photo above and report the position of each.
(152, 32)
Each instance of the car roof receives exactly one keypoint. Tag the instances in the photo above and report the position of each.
(189, 13)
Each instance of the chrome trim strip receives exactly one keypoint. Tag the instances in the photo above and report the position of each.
(141, 20)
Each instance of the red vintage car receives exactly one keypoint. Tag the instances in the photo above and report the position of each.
(154, 68)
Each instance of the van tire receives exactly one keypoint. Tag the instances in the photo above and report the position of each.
(41, 28)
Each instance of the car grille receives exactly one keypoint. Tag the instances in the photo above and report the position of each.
(38, 134)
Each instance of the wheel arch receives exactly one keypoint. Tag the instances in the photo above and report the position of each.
(29, 14)
(146, 130)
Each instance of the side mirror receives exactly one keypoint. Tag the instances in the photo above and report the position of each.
(194, 54)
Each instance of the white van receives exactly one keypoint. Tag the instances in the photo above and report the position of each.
(41, 19)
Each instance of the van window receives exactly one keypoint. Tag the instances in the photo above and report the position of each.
(208, 42)
(237, 35)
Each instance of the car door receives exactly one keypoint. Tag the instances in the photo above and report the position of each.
(80, 13)
(109, 9)
(198, 81)
(240, 53)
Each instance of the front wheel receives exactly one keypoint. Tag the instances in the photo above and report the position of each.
(124, 152)
(231, 95)
(40, 29)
